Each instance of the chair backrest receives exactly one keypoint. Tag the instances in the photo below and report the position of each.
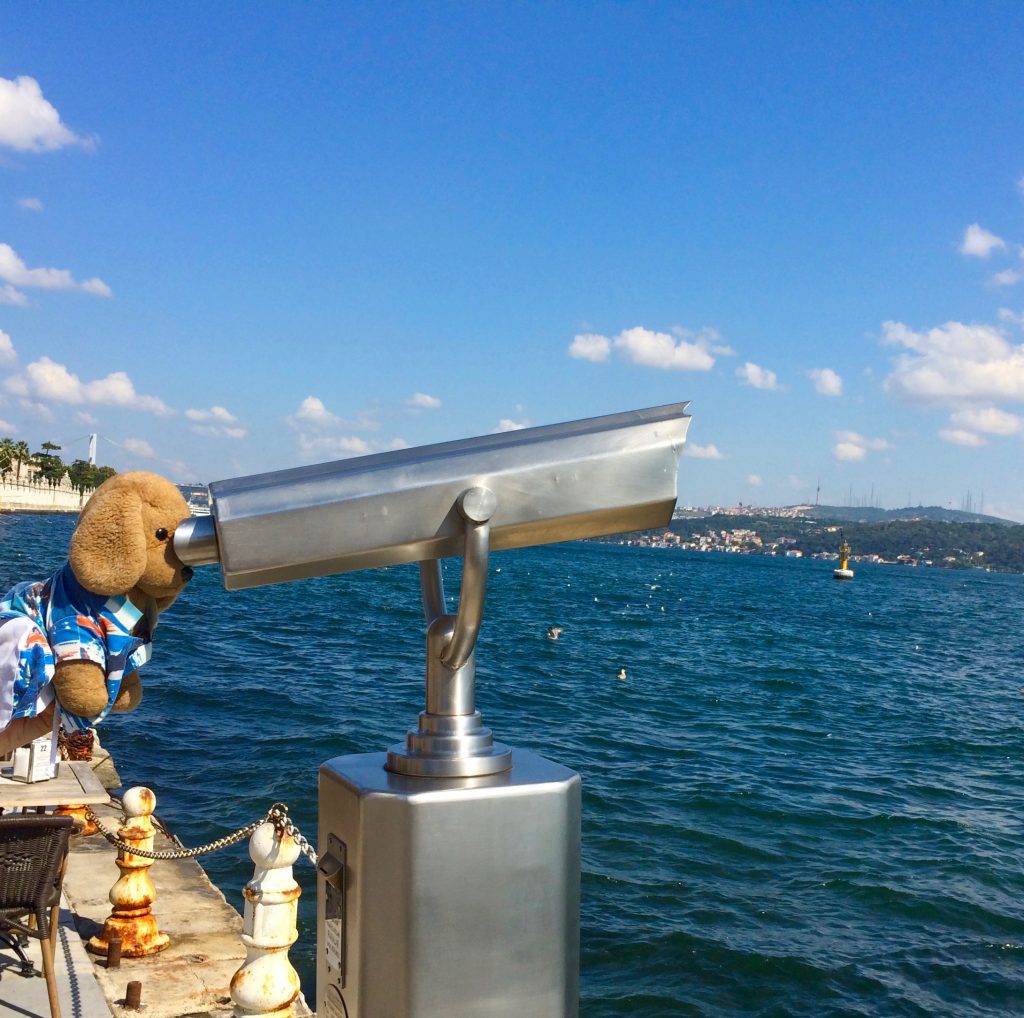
(33, 848)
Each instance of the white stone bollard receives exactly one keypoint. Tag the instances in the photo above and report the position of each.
(266, 985)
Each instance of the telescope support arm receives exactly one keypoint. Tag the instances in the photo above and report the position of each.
(477, 506)
(432, 589)
(450, 740)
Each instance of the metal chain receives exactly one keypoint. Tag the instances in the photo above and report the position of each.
(277, 814)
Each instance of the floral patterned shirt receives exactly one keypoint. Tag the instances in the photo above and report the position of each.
(69, 623)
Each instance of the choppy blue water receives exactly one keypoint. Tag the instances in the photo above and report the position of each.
(805, 800)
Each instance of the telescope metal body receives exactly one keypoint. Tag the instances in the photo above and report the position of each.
(561, 482)
(449, 869)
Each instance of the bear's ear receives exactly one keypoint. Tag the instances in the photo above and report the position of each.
(108, 547)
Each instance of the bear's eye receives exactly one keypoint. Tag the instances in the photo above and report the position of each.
(161, 534)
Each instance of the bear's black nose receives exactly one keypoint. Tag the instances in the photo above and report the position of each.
(186, 573)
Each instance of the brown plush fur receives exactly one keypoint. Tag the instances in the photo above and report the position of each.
(115, 550)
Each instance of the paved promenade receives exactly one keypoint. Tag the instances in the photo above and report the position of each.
(189, 979)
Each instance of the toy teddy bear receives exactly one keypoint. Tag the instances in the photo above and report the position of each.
(75, 641)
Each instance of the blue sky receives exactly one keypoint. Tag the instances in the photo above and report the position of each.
(241, 237)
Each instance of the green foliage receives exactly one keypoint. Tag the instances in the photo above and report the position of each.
(50, 469)
(996, 545)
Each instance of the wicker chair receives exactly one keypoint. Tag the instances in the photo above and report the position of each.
(33, 854)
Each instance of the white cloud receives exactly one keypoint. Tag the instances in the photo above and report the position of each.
(10, 429)
(215, 413)
(8, 295)
(991, 420)
(858, 439)
(853, 447)
(507, 424)
(421, 401)
(31, 204)
(45, 379)
(758, 377)
(686, 352)
(979, 242)
(754, 480)
(955, 361)
(139, 447)
(87, 418)
(218, 432)
(1008, 277)
(703, 452)
(706, 337)
(849, 451)
(8, 355)
(1012, 317)
(319, 434)
(341, 446)
(826, 381)
(960, 437)
(28, 122)
(312, 411)
(216, 421)
(660, 350)
(590, 347)
(16, 273)
(39, 410)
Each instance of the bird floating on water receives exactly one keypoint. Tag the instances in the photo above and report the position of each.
(622, 674)
(554, 632)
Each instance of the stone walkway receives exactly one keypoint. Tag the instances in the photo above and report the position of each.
(80, 993)
(189, 979)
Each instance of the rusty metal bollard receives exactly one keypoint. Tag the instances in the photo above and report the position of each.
(132, 896)
(266, 985)
(77, 746)
(77, 810)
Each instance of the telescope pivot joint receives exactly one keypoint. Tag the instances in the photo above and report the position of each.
(450, 740)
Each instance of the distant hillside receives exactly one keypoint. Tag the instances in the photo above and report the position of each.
(868, 514)
(935, 542)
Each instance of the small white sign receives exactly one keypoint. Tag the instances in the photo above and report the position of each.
(38, 760)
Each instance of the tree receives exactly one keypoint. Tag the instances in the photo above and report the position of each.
(21, 455)
(81, 474)
(51, 467)
(84, 476)
(6, 456)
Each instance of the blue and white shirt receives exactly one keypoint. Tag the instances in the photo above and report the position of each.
(66, 623)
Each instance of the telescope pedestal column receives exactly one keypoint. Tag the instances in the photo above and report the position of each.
(448, 896)
(449, 872)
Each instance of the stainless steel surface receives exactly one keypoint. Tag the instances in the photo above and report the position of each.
(195, 541)
(449, 690)
(477, 506)
(432, 590)
(460, 899)
(556, 483)
(451, 740)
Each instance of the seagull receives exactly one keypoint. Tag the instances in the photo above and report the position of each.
(554, 632)
(622, 674)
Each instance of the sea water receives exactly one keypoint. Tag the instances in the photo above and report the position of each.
(805, 798)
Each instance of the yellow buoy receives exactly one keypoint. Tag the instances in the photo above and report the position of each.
(844, 572)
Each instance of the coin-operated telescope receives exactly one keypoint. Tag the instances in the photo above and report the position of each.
(449, 866)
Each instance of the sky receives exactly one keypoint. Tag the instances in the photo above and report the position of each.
(242, 237)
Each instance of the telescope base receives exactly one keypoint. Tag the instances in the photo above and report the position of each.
(448, 896)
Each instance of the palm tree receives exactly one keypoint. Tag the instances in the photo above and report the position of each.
(21, 453)
(6, 456)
